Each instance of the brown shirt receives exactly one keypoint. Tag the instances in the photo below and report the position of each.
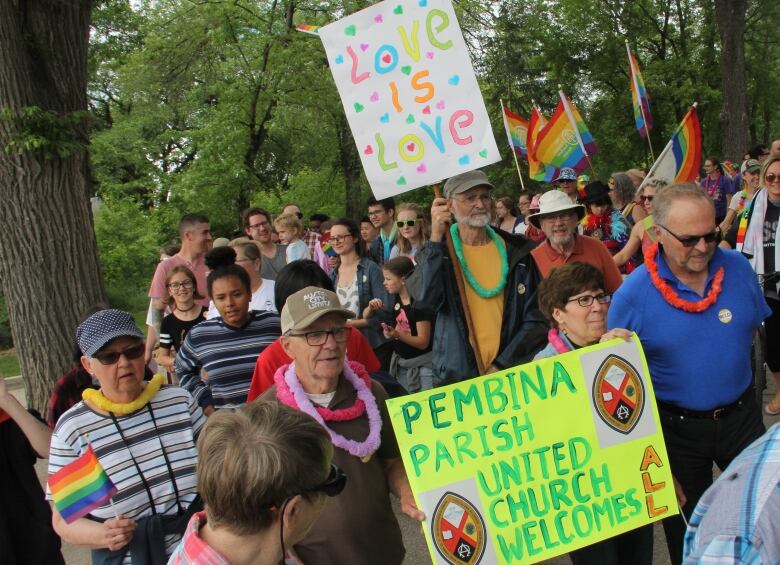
(358, 526)
(586, 250)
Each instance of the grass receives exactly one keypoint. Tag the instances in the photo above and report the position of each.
(9, 364)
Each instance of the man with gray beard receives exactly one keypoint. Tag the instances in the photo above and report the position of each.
(500, 280)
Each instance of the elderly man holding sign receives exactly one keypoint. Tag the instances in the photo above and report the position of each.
(500, 281)
(358, 526)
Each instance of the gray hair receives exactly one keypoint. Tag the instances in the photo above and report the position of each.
(666, 196)
(624, 188)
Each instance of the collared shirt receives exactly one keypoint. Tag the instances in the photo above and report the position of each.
(192, 549)
(697, 361)
(586, 250)
(736, 520)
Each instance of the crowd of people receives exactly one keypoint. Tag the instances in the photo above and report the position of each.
(248, 423)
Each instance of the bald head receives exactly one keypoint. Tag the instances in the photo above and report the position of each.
(774, 149)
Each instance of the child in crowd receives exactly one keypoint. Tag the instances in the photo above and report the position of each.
(411, 335)
(290, 228)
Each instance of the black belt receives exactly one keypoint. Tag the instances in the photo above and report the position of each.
(712, 414)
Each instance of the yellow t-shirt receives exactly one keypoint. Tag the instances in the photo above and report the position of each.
(484, 263)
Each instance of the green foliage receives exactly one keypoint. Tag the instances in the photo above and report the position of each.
(51, 134)
(6, 339)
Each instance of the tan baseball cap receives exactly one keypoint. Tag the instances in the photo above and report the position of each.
(307, 306)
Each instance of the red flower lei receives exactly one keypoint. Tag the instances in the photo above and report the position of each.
(285, 396)
(671, 296)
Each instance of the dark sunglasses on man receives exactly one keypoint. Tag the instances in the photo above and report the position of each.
(691, 240)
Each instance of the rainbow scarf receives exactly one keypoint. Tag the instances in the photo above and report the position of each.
(750, 234)
(639, 97)
(80, 487)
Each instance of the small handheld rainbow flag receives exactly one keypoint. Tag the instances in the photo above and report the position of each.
(681, 158)
(516, 132)
(641, 100)
(310, 29)
(80, 487)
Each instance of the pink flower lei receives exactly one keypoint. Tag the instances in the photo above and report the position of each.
(290, 392)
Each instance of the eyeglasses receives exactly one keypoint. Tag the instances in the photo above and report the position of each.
(566, 181)
(402, 223)
(176, 286)
(772, 177)
(258, 226)
(376, 212)
(333, 484)
(588, 299)
(691, 240)
(565, 215)
(644, 198)
(243, 260)
(320, 337)
(339, 238)
(112, 357)
(471, 199)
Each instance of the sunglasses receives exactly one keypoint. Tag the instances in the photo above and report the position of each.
(692, 240)
(333, 484)
(771, 177)
(409, 223)
(644, 198)
(112, 357)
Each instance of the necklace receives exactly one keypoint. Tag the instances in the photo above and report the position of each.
(188, 309)
(651, 254)
(478, 288)
(362, 449)
(96, 398)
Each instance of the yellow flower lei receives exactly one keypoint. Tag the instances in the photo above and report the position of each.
(96, 398)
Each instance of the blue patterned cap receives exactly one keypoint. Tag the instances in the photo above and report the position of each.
(566, 174)
(103, 326)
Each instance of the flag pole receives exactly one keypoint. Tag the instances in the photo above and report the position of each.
(564, 101)
(111, 498)
(641, 106)
(514, 153)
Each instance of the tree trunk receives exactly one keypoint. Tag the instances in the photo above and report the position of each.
(351, 169)
(48, 253)
(730, 18)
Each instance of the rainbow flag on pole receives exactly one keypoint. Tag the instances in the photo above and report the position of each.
(681, 158)
(641, 100)
(565, 140)
(80, 487)
(516, 132)
(310, 29)
(536, 169)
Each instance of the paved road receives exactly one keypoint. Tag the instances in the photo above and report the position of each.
(416, 550)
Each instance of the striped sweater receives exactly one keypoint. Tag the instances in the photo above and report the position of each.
(179, 420)
(228, 356)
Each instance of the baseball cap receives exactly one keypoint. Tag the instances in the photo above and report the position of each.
(307, 306)
(465, 181)
(101, 327)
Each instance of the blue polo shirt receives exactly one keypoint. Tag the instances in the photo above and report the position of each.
(700, 360)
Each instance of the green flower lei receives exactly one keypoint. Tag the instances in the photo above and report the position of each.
(478, 288)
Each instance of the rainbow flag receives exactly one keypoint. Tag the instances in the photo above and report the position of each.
(310, 29)
(516, 132)
(80, 487)
(565, 140)
(681, 158)
(536, 169)
(641, 100)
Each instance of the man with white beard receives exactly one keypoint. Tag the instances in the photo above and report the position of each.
(500, 280)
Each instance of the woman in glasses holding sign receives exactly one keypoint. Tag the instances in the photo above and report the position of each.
(574, 300)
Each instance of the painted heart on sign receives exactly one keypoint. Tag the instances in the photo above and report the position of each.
(350, 30)
(483, 153)
(427, 110)
(363, 46)
(410, 147)
(423, 3)
(454, 80)
(368, 150)
(378, 19)
(429, 55)
(465, 160)
(406, 69)
(387, 58)
(440, 105)
(339, 59)
(384, 118)
(401, 181)
(358, 107)
(421, 168)
(409, 119)
(374, 96)
(398, 10)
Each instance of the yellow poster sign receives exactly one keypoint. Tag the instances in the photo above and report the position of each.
(538, 460)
